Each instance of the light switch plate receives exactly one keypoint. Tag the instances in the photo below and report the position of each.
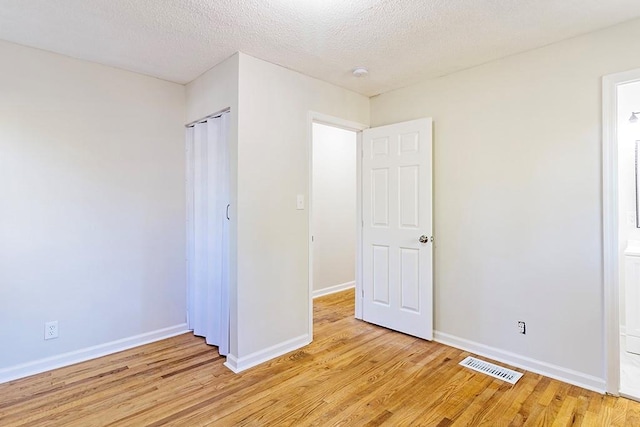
(300, 202)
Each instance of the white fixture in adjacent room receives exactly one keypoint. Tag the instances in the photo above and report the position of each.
(632, 300)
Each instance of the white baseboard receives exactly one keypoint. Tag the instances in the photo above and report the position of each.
(42, 365)
(333, 289)
(238, 365)
(553, 371)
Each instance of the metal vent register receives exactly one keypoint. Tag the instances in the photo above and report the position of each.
(492, 370)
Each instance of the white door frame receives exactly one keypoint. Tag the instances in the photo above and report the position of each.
(314, 117)
(611, 256)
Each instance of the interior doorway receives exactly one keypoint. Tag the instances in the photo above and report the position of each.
(333, 198)
(628, 137)
(621, 98)
(334, 207)
(207, 228)
(392, 221)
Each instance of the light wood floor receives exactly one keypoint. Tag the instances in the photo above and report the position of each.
(352, 374)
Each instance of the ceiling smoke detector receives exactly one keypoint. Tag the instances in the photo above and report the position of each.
(360, 72)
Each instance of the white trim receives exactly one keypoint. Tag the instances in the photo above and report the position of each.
(553, 371)
(314, 117)
(189, 256)
(359, 224)
(333, 289)
(82, 355)
(326, 119)
(631, 395)
(239, 364)
(610, 254)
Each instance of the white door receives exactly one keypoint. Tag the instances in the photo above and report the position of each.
(397, 254)
(207, 190)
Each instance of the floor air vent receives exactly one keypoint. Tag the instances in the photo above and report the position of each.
(490, 369)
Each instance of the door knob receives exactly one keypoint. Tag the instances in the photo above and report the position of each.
(423, 239)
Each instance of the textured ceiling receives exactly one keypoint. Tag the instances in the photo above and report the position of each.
(400, 41)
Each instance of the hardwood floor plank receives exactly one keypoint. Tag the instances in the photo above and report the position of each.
(89, 394)
(633, 415)
(479, 405)
(353, 374)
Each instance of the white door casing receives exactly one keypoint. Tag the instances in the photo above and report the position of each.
(396, 211)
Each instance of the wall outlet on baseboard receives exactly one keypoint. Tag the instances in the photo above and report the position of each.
(522, 328)
(51, 330)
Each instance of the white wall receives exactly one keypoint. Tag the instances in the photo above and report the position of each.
(334, 206)
(92, 205)
(628, 133)
(517, 199)
(273, 167)
(212, 92)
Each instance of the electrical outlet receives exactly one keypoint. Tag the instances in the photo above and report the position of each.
(51, 330)
(522, 327)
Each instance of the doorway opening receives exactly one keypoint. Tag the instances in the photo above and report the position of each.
(207, 228)
(621, 233)
(334, 207)
(393, 222)
(628, 137)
